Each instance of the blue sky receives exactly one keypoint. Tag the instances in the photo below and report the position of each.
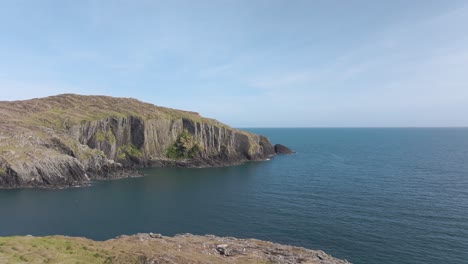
(253, 63)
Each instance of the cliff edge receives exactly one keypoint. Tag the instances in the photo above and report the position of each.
(154, 248)
(68, 140)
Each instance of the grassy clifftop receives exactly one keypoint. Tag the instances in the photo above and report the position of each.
(151, 248)
(64, 110)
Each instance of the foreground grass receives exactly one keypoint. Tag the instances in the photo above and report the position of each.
(51, 250)
(146, 248)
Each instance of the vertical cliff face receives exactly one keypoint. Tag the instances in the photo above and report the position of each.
(68, 140)
(133, 141)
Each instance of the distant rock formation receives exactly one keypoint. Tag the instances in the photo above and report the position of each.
(68, 140)
(280, 149)
(154, 248)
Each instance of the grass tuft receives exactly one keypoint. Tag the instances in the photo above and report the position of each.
(184, 147)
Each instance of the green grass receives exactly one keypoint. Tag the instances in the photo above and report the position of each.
(50, 250)
(64, 111)
(184, 147)
(108, 136)
(126, 250)
(100, 136)
(129, 151)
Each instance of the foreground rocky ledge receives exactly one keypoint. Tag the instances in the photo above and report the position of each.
(154, 248)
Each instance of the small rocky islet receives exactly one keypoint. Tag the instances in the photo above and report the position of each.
(282, 149)
(70, 140)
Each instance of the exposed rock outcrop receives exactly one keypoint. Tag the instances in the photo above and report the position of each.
(68, 140)
(148, 248)
(281, 149)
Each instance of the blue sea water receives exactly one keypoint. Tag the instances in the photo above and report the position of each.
(365, 195)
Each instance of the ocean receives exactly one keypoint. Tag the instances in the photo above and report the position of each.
(368, 195)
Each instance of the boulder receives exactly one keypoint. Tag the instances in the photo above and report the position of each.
(152, 235)
(281, 149)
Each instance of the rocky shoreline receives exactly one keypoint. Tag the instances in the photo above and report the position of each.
(154, 248)
(69, 140)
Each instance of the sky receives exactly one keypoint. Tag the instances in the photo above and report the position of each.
(248, 63)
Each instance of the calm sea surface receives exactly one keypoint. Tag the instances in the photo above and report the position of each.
(366, 195)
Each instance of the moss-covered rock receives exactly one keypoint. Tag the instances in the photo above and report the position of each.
(106, 136)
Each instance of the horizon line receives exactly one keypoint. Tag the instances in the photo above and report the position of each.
(318, 127)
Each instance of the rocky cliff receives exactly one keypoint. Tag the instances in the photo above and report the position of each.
(68, 140)
(154, 248)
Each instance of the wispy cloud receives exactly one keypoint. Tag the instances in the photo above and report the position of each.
(248, 63)
(397, 49)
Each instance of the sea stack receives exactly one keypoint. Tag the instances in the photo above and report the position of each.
(281, 149)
